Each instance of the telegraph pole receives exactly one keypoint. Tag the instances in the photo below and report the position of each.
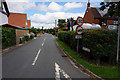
(55, 26)
(118, 29)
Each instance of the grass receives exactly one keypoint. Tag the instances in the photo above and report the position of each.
(106, 72)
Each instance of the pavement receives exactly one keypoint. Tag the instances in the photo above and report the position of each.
(40, 59)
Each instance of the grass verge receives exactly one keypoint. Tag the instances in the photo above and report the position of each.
(105, 72)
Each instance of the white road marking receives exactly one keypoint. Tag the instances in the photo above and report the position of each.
(57, 73)
(52, 36)
(36, 57)
(42, 43)
(45, 39)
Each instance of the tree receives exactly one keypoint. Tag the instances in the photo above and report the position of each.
(61, 22)
(113, 8)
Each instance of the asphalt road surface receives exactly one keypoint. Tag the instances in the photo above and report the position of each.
(40, 58)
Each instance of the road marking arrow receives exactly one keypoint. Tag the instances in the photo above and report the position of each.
(57, 73)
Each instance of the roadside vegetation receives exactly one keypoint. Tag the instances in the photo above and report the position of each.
(101, 59)
(8, 37)
(106, 72)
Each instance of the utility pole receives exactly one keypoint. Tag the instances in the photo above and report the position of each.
(55, 26)
(117, 58)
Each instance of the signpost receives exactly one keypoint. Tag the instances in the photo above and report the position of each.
(79, 31)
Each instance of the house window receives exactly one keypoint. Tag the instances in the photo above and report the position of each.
(115, 22)
(103, 23)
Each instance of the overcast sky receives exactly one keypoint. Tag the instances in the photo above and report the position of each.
(45, 12)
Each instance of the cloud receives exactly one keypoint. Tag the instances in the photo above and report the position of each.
(20, 6)
(49, 18)
(54, 7)
(41, 7)
(72, 5)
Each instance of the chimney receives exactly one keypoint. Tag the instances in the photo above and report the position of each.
(88, 4)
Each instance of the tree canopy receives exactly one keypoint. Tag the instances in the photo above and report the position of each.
(61, 22)
(113, 9)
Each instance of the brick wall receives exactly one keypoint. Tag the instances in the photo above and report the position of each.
(110, 21)
(20, 33)
(96, 21)
(88, 17)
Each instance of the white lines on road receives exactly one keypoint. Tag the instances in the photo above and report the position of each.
(57, 73)
(36, 57)
(52, 36)
(44, 41)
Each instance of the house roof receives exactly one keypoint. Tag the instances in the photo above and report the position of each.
(15, 27)
(28, 23)
(95, 12)
(17, 19)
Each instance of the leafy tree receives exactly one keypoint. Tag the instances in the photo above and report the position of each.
(113, 8)
(61, 22)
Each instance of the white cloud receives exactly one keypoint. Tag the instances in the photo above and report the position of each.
(48, 19)
(54, 7)
(51, 8)
(41, 7)
(20, 6)
(72, 5)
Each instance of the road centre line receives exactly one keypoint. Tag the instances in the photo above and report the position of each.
(44, 41)
(36, 57)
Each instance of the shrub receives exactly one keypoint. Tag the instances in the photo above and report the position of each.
(32, 35)
(102, 43)
(8, 37)
(27, 37)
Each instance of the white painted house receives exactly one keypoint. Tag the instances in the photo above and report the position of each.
(4, 12)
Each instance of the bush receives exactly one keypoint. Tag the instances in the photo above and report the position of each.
(102, 44)
(27, 37)
(8, 37)
(32, 35)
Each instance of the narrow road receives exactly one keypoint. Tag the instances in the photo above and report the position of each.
(40, 58)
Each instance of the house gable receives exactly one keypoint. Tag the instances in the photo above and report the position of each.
(28, 24)
(17, 19)
(88, 17)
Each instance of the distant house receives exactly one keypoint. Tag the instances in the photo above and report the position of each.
(29, 24)
(19, 22)
(94, 15)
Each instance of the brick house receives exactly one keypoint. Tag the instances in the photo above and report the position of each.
(94, 15)
(19, 22)
(29, 24)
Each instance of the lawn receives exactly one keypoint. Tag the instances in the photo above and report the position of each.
(106, 72)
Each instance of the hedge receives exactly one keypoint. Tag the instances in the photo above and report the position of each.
(8, 37)
(102, 44)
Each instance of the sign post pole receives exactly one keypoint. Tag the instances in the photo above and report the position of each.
(79, 31)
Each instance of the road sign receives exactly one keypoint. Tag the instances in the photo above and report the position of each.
(79, 30)
(78, 37)
(80, 21)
